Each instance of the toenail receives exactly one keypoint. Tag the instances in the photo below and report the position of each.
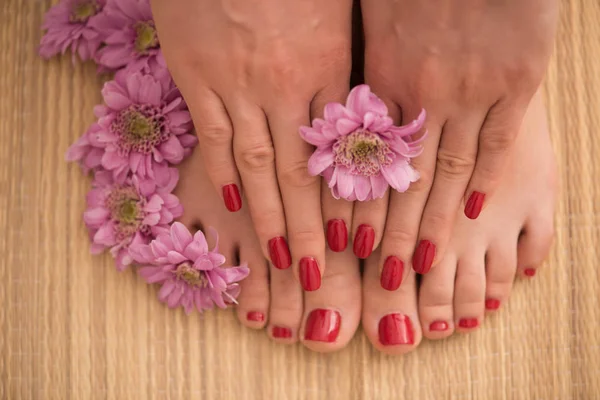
(529, 272)
(281, 332)
(231, 197)
(337, 235)
(423, 257)
(322, 325)
(255, 316)
(492, 304)
(364, 240)
(396, 329)
(391, 275)
(438, 326)
(468, 323)
(474, 205)
(310, 275)
(280, 253)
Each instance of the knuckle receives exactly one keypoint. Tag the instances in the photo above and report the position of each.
(311, 238)
(257, 157)
(296, 175)
(496, 141)
(268, 222)
(436, 224)
(212, 135)
(454, 165)
(399, 235)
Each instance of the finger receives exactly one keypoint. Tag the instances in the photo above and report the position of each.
(368, 224)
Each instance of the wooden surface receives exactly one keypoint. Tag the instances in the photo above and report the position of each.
(73, 327)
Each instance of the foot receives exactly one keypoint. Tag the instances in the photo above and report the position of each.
(476, 274)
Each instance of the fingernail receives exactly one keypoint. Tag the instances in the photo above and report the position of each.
(492, 304)
(529, 272)
(255, 316)
(468, 323)
(280, 253)
(231, 197)
(474, 205)
(337, 235)
(322, 325)
(364, 240)
(423, 257)
(438, 326)
(396, 329)
(281, 332)
(391, 275)
(310, 276)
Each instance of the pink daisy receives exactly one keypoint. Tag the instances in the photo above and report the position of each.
(86, 151)
(69, 25)
(191, 275)
(129, 35)
(119, 215)
(144, 126)
(359, 150)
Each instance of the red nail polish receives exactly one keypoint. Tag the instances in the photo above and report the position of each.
(280, 253)
(438, 326)
(468, 323)
(391, 275)
(310, 276)
(231, 197)
(255, 316)
(423, 257)
(492, 304)
(529, 272)
(474, 205)
(364, 240)
(337, 235)
(322, 325)
(396, 329)
(281, 332)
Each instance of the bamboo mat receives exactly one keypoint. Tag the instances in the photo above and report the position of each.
(72, 327)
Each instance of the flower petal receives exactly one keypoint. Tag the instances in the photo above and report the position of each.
(320, 160)
(180, 236)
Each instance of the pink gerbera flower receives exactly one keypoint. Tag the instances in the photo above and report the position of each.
(86, 150)
(191, 275)
(129, 35)
(359, 150)
(144, 125)
(69, 25)
(135, 211)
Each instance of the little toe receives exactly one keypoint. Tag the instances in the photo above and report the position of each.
(469, 291)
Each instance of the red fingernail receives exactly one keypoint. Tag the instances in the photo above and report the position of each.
(474, 205)
(529, 272)
(280, 253)
(337, 235)
(423, 257)
(310, 276)
(492, 304)
(396, 329)
(363, 241)
(468, 323)
(391, 275)
(255, 316)
(231, 197)
(281, 332)
(438, 326)
(322, 325)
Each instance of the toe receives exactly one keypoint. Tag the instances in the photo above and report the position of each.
(332, 313)
(469, 291)
(534, 246)
(285, 313)
(500, 270)
(390, 318)
(253, 307)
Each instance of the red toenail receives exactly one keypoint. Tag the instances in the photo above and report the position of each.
(255, 316)
(280, 253)
(337, 235)
(231, 197)
(281, 332)
(364, 240)
(322, 325)
(310, 276)
(391, 275)
(492, 304)
(438, 326)
(396, 329)
(529, 272)
(474, 205)
(423, 257)
(468, 323)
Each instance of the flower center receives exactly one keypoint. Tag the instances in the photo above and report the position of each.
(363, 152)
(125, 209)
(140, 128)
(83, 10)
(146, 37)
(186, 272)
